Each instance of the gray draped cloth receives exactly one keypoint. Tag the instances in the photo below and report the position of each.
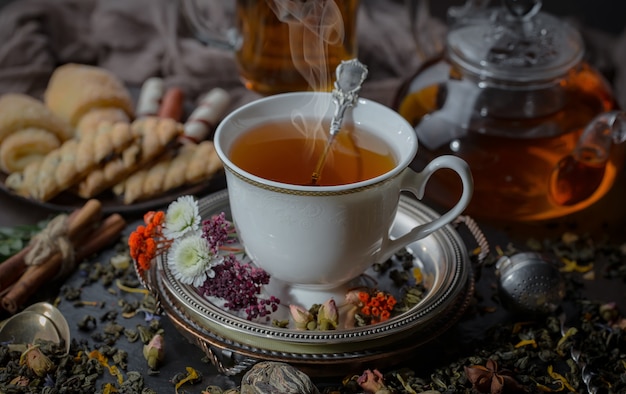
(138, 39)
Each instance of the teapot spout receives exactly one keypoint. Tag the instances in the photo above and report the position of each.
(578, 175)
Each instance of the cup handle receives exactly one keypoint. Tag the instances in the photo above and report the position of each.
(415, 183)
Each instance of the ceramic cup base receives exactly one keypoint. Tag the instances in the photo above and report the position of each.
(307, 295)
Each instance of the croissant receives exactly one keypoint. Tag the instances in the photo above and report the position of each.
(74, 90)
(190, 164)
(65, 166)
(152, 137)
(28, 131)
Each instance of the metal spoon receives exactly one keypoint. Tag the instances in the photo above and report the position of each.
(25, 327)
(40, 321)
(57, 318)
(350, 77)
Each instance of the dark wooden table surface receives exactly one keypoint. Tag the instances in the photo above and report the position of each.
(608, 217)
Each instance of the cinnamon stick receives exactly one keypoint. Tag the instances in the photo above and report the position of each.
(12, 268)
(36, 276)
(107, 232)
(78, 221)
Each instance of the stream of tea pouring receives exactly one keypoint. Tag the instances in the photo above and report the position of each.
(350, 76)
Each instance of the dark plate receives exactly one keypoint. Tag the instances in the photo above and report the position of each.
(111, 203)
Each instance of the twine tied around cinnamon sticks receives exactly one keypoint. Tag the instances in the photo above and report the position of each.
(55, 251)
(52, 239)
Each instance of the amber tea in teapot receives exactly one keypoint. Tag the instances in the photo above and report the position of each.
(513, 98)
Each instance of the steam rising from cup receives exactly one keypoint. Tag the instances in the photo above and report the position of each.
(313, 26)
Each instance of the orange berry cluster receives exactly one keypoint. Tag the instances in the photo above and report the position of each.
(377, 306)
(146, 241)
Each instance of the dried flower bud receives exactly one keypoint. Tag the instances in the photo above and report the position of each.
(328, 316)
(20, 381)
(301, 317)
(276, 377)
(609, 311)
(120, 261)
(373, 382)
(352, 296)
(154, 351)
(38, 362)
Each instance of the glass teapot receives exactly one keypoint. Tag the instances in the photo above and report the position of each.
(513, 97)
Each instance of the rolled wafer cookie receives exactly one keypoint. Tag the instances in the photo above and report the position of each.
(172, 104)
(150, 97)
(205, 116)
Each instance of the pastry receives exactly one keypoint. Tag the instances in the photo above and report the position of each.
(44, 179)
(64, 167)
(106, 140)
(190, 164)
(26, 146)
(76, 89)
(152, 136)
(89, 122)
(46, 131)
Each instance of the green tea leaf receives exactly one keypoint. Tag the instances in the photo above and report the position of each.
(14, 239)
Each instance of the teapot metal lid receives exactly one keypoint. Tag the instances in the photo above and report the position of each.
(512, 43)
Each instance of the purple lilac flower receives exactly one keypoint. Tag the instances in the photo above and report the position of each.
(239, 284)
(216, 231)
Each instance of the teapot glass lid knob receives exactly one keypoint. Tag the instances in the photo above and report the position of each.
(523, 8)
(514, 42)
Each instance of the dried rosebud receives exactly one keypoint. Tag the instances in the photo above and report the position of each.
(353, 296)
(154, 351)
(20, 381)
(328, 316)
(373, 382)
(38, 362)
(609, 311)
(349, 316)
(301, 317)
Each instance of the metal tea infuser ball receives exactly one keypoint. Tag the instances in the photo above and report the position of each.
(530, 283)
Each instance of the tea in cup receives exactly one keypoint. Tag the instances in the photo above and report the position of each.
(319, 237)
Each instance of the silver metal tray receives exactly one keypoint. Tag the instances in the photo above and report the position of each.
(234, 343)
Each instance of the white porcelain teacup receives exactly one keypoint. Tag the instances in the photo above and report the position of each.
(321, 237)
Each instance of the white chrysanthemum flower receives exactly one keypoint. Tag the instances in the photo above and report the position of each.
(182, 216)
(191, 260)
